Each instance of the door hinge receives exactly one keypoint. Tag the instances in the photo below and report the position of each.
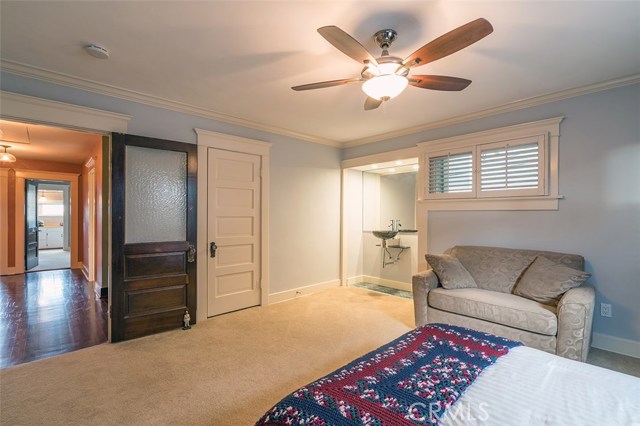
(109, 311)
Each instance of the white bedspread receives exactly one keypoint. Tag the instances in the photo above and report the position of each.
(531, 387)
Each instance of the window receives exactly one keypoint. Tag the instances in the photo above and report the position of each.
(507, 169)
(51, 209)
(450, 173)
(514, 168)
(518, 162)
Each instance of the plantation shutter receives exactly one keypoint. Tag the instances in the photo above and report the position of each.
(512, 168)
(451, 173)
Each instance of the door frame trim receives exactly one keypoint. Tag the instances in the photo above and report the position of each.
(207, 139)
(91, 250)
(15, 106)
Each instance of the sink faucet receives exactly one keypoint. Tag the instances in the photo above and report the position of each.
(395, 224)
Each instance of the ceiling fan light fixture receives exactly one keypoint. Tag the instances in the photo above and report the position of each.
(388, 68)
(5, 157)
(386, 86)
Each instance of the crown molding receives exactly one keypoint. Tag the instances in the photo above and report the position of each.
(502, 109)
(67, 80)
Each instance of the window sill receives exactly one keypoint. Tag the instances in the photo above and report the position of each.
(503, 203)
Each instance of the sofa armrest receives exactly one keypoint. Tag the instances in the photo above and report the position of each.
(575, 318)
(422, 283)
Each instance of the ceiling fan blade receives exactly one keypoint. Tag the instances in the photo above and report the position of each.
(346, 44)
(450, 43)
(439, 82)
(323, 84)
(371, 103)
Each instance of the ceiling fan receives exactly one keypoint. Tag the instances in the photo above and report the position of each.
(387, 76)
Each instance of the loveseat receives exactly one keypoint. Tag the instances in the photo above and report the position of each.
(536, 297)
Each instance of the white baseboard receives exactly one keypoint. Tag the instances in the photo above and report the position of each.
(616, 344)
(301, 291)
(398, 285)
(355, 280)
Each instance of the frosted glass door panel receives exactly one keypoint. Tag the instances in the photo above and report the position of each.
(155, 195)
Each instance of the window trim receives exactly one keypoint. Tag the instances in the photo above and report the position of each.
(548, 130)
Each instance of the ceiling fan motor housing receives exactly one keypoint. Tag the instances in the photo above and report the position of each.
(384, 38)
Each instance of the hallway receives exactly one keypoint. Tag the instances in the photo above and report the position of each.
(48, 313)
(52, 259)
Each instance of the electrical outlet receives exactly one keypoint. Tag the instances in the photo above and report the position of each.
(605, 310)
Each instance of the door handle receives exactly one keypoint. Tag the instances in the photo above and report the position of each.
(191, 253)
(212, 249)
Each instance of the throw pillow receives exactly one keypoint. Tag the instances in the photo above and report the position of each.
(545, 281)
(450, 271)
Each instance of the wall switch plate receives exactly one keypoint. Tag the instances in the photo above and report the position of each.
(605, 310)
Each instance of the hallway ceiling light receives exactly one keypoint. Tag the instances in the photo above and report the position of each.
(5, 157)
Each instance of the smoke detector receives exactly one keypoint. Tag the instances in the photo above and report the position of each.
(97, 51)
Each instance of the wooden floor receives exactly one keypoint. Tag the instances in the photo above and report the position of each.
(48, 313)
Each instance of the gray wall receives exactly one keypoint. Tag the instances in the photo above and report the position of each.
(599, 218)
(305, 181)
(304, 215)
(599, 176)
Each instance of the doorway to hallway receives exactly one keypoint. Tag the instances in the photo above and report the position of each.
(47, 218)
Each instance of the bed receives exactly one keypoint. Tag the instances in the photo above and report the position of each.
(440, 374)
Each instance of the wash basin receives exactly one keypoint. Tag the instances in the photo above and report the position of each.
(385, 235)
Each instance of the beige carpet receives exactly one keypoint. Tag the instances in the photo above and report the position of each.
(224, 371)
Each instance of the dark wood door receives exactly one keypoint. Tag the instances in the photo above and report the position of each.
(31, 225)
(154, 187)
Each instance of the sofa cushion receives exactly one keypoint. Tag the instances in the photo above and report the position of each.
(450, 271)
(493, 268)
(498, 269)
(497, 307)
(546, 281)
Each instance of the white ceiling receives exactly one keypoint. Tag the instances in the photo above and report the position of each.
(236, 60)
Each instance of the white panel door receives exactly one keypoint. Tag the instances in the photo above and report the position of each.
(233, 231)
